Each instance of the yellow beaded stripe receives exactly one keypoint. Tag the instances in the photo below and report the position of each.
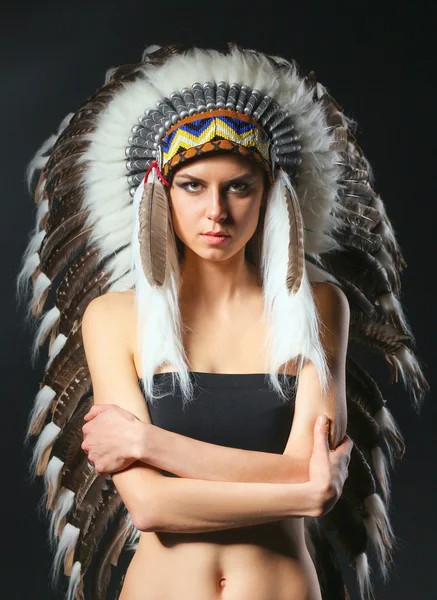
(194, 136)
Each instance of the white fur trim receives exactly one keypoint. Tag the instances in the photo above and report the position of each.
(381, 470)
(74, 581)
(158, 312)
(387, 423)
(393, 310)
(363, 576)
(407, 365)
(298, 334)
(379, 529)
(42, 282)
(52, 476)
(67, 543)
(42, 403)
(149, 50)
(64, 503)
(47, 323)
(31, 262)
(39, 161)
(56, 347)
(45, 441)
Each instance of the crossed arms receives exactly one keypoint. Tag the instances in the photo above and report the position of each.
(219, 487)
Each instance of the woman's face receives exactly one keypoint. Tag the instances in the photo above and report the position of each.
(219, 193)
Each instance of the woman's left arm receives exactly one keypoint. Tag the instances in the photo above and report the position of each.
(194, 459)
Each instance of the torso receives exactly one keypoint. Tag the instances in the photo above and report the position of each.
(262, 562)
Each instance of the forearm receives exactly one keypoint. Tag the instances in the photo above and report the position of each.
(187, 457)
(195, 506)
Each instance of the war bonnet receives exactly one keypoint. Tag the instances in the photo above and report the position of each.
(103, 224)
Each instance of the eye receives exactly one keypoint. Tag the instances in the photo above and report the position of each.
(191, 186)
(240, 188)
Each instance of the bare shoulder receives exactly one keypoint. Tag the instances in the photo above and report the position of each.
(334, 313)
(329, 297)
(116, 309)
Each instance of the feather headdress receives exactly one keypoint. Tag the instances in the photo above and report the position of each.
(103, 225)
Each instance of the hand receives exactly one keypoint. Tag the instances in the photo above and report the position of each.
(328, 469)
(112, 436)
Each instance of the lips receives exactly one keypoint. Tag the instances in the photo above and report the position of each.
(217, 233)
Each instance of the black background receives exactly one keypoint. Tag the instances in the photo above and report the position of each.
(376, 59)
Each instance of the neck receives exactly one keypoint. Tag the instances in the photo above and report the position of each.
(216, 286)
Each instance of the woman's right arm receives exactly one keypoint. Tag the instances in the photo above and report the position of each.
(159, 503)
(191, 505)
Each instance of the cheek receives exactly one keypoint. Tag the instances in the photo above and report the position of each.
(184, 217)
(247, 216)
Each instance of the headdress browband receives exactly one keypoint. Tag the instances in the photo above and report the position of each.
(213, 117)
(219, 130)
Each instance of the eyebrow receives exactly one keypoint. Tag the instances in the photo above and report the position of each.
(245, 175)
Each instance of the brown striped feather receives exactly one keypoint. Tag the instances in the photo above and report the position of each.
(296, 250)
(152, 233)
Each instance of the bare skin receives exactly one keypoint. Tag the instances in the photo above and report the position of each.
(220, 297)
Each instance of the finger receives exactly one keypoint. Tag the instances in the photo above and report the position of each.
(321, 433)
(95, 410)
(345, 448)
(346, 445)
(349, 443)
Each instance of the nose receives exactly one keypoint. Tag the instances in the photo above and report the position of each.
(217, 209)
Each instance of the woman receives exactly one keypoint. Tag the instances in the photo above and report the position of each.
(235, 142)
(222, 307)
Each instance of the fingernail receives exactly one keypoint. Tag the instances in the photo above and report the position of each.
(322, 420)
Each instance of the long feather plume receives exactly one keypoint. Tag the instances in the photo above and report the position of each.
(152, 232)
(296, 249)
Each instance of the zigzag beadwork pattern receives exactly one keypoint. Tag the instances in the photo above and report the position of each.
(221, 98)
(216, 146)
(194, 132)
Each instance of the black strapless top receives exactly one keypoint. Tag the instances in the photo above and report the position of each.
(234, 410)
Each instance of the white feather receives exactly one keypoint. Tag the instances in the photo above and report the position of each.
(387, 424)
(158, 324)
(74, 581)
(39, 161)
(47, 323)
(379, 529)
(42, 282)
(56, 347)
(30, 263)
(407, 365)
(45, 440)
(67, 542)
(391, 305)
(363, 576)
(64, 503)
(52, 476)
(293, 327)
(381, 470)
(42, 403)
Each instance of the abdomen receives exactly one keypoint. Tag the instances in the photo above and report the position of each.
(262, 562)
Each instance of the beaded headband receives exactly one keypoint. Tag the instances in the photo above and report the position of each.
(221, 130)
(213, 117)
